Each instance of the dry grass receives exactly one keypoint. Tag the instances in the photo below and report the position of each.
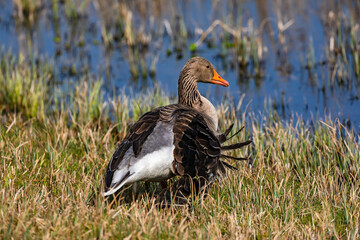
(303, 183)
(54, 147)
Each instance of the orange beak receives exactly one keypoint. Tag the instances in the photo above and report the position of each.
(219, 80)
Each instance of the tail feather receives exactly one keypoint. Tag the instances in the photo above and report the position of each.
(228, 165)
(223, 138)
(234, 158)
(235, 146)
(235, 133)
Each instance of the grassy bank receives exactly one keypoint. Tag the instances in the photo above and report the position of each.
(303, 181)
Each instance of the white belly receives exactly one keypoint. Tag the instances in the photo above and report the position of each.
(155, 166)
(151, 165)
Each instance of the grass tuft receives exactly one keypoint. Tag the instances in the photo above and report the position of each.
(24, 87)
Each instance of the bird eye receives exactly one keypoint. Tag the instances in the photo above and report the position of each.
(207, 66)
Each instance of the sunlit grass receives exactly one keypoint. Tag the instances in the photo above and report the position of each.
(303, 181)
(24, 87)
(55, 143)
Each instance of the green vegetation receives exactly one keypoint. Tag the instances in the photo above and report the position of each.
(57, 134)
(304, 181)
(25, 87)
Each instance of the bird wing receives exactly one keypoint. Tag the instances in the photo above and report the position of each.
(197, 150)
(137, 135)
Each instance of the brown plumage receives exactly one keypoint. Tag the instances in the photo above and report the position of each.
(175, 140)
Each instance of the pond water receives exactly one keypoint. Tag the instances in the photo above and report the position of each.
(300, 56)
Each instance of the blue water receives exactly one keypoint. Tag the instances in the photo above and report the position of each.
(287, 83)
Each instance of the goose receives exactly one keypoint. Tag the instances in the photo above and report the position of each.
(175, 140)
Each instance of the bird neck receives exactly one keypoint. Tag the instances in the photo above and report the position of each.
(190, 96)
(188, 92)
